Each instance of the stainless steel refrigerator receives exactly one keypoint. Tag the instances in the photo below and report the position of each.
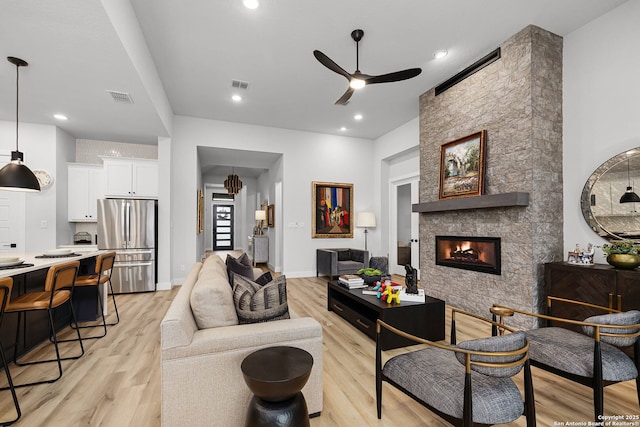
(129, 227)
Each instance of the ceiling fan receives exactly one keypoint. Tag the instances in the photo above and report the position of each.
(358, 80)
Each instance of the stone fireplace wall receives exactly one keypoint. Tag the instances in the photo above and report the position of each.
(518, 100)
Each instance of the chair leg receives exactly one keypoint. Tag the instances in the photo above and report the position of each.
(115, 306)
(529, 400)
(598, 389)
(103, 325)
(378, 375)
(467, 405)
(58, 359)
(12, 388)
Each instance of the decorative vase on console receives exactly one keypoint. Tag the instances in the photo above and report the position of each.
(622, 254)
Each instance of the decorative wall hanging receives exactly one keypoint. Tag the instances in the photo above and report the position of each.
(270, 216)
(462, 164)
(331, 210)
(200, 218)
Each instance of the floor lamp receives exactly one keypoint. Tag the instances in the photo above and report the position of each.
(365, 220)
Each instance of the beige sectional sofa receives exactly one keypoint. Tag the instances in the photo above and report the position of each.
(202, 384)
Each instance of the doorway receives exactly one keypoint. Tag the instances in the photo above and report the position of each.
(404, 230)
(223, 222)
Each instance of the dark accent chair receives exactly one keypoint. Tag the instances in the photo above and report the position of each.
(334, 262)
(468, 384)
(593, 358)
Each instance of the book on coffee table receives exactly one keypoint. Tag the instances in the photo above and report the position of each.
(351, 281)
(419, 297)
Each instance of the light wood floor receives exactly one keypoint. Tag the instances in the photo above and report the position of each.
(117, 381)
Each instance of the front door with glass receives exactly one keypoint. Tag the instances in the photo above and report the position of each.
(222, 227)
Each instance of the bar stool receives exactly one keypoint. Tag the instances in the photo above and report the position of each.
(104, 266)
(58, 289)
(6, 285)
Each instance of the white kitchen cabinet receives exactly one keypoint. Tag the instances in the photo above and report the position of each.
(85, 187)
(131, 178)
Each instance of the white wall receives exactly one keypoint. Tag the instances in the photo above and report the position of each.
(401, 144)
(164, 215)
(65, 152)
(38, 143)
(306, 157)
(601, 116)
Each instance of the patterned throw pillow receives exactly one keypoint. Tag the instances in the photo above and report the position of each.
(255, 303)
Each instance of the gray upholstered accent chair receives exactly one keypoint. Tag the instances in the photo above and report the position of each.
(334, 262)
(594, 356)
(466, 384)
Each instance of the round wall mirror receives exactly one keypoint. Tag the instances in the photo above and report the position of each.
(600, 201)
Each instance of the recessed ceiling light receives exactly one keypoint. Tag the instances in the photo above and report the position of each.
(343, 129)
(440, 54)
(236, 98)
(358, 117)
(60, 117)
(251, 4)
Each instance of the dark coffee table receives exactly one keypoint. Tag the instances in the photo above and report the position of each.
(422, 319)
(276, 375)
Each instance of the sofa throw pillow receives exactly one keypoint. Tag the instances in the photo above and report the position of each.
(344, 255)
(245, 260)
(236, 267)
(212, 298)
(255, 303)
(264, 279)
(508, 342)
(630, 317)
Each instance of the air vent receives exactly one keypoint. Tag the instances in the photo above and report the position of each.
(121, 97)
(239, 84)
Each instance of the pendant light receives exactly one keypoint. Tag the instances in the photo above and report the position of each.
(233, 183)
(15, 175)
(629, 196)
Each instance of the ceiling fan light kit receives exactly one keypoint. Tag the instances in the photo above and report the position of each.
(358, 80)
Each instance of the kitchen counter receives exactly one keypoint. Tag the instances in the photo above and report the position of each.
(40, 263)
(35, 329)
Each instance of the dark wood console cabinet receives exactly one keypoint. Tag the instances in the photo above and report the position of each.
(599, 284)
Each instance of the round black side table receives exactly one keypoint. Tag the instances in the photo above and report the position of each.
(276, 375)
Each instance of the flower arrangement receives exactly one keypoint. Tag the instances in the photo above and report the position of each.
(620, 247)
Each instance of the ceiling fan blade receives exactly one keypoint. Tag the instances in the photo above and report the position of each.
(394, 77)
(344, 99)
(327, 62)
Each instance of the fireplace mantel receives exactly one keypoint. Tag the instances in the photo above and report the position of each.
(477, 202)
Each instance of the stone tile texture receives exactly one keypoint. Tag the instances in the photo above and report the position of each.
(518, 100)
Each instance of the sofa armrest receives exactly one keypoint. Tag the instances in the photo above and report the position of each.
(360, 256)
(326, 262)
(236, 337)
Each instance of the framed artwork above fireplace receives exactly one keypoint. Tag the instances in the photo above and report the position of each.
(462, 165)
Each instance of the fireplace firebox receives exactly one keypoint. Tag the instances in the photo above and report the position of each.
(469, 253)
